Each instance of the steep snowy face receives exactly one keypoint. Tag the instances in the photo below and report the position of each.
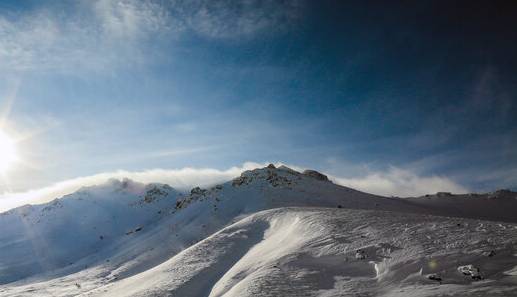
(42, 238)
(313, 252)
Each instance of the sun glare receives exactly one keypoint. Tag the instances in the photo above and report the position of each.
(7, 151)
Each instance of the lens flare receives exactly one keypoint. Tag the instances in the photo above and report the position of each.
(7, 151)
(433, 264)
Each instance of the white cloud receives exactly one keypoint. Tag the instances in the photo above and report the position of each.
(182, 179)
(23, 41)
(399, 182)
(96, 35)
(395, 181)
(102, 35)
(234, 19)
(36, 42)
(502, 178)
(130, 18)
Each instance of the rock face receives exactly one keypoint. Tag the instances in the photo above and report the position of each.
(239, 181)
(281, 176)
(502, 194)
(315, 174)
(277, 177)
(197, 191)
(155, 191)
(443, 194)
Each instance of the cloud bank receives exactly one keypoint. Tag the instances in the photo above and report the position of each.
(394, 182)
(399, 182)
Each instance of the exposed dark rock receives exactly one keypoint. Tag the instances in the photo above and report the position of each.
(444, 194)
(133, 231)
(315, 174)
(502, 194)
(238, 181)
(276, 180)
(154, 193)
(197, 191)
(472, 271)
(434, 277)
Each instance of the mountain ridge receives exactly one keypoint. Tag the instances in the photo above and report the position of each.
(120, 229)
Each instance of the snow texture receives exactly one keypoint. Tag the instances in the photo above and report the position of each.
(269, 232)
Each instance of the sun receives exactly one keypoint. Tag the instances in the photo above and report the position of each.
(7, 151)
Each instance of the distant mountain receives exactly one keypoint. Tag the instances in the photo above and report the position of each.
(500, 205)
(124, 237)
(42, 238)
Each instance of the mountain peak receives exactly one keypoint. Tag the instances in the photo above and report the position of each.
(315, 174)
(277, 176)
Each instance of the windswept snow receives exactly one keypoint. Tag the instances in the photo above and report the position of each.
(90, 223)
(128, 239)
(310, 252)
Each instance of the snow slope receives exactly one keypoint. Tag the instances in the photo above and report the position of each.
(125, 238)
(44, 238)
(310, 252)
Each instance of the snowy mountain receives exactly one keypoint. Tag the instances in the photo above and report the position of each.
(269, 232)
(43, 238)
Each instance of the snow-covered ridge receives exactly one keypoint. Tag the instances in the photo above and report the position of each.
(106, 233)
(311, 252)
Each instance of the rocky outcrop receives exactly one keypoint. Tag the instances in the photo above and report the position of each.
(281, 176)
(443, 194)
(238, 181)
(196, 194)
(198, 191)
(502, 194)
(315, 174)
(155, 192)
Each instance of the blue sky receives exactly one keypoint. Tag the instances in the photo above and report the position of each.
(358, 91)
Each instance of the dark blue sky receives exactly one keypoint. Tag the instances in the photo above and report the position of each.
(351, 88)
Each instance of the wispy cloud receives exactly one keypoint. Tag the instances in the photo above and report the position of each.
(96, 35)
(234, 19)
(104, 34)
(130, 19)
(399, 182)
(503, 177)
(395, 181)
(181, 179)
